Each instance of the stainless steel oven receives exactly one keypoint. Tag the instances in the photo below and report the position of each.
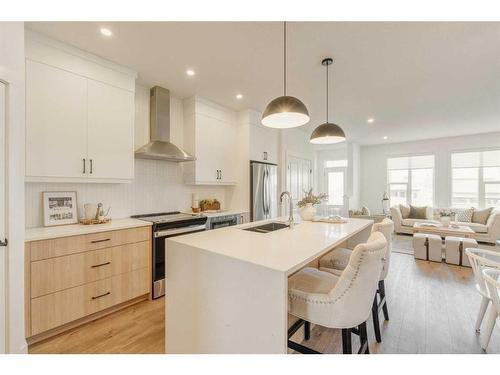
(168, 225)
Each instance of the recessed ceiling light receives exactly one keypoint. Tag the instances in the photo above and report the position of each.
(239, 96)
(106, 32)
(385, 137)
(370, 120)
(190, 72)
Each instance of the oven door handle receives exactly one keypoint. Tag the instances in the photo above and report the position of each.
(170, 232)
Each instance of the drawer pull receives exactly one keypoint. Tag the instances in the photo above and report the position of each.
(101, 295)
(97, 241)
(100, 265)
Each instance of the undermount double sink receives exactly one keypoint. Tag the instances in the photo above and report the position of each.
(266, 228)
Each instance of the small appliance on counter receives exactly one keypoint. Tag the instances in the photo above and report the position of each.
(165, 225)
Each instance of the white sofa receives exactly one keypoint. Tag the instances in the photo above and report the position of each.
(489, 232)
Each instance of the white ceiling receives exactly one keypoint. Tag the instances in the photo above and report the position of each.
(418, 80)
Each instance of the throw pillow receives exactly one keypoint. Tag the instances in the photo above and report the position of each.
(465, 216)
(418, 212)
(481, 216)
(405, 211)
(365, 211)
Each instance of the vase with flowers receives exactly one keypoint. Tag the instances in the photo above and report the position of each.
(445, 217)
(306, 204)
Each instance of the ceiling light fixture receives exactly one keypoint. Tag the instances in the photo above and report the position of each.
(285, 111)
(239, 96)
(106, 32)
(385, 137)
(371, 120)
(190, 72)
(328, 132)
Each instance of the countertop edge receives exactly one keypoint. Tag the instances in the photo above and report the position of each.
(47, 233)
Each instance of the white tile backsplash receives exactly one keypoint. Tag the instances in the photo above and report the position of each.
(158, 186)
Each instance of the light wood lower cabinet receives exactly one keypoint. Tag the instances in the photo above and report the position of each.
(65, 288)
(59, 308)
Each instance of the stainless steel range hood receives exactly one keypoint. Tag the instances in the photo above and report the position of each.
(160, 147)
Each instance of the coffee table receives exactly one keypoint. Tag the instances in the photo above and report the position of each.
(440, 230)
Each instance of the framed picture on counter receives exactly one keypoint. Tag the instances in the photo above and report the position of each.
(59, 208)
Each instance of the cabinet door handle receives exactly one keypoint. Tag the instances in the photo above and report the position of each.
(220, 174)
(91, 165)
(4, 243)
(84, 163)
(101, 295)
(265, 155)
(100, 265)
(97, 241)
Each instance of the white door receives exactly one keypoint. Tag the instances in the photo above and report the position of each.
(3, 214)
(335, 179)
(110, 131)
(56, 122)
(299, 177)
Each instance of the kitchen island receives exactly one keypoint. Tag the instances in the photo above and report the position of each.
(227, 288)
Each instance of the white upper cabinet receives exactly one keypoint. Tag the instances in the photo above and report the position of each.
(79, 115)
(209, 134)
(264, 142)
(110, 131)
(56, 119)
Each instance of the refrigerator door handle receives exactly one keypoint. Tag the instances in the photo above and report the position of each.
(264, 192)
(268, 190)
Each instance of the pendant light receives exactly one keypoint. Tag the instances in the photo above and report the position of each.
(327, 133)
(285, 111)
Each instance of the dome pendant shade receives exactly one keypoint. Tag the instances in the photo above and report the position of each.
(327, 133)
(285, 112)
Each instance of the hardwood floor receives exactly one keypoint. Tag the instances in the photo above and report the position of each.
(432, 309)
(136, 329)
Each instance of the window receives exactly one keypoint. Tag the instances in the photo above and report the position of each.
(336, 163)
(411, 180)
(475, 179)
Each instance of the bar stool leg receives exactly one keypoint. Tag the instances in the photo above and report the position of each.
(381, 288)
(363, 339)
(376, 322)
(346, 341)
(307, 330)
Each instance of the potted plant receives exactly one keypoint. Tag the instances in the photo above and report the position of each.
(446, 217)
(306, 204)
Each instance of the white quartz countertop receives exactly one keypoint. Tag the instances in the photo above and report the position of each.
(283, 250)
(45, 233)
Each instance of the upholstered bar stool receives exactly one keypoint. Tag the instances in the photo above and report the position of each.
(480, 260)
(335, 261)
(492, 279)
(342, 302)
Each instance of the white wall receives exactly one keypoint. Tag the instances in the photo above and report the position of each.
(374, 167)
(12, 73)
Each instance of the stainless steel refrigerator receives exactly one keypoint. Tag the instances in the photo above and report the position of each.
(264, 191)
